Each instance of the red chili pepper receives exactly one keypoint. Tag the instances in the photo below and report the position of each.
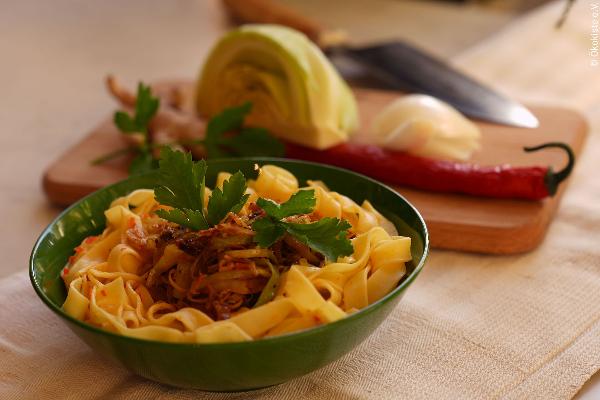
(532, 183)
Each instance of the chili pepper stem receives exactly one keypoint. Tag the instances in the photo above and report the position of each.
(553, 179)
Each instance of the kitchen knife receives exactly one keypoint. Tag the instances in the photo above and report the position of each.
(393, 65)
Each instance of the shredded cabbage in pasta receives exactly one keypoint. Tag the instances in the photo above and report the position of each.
(145, 278)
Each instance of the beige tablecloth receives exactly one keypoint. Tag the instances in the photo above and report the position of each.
(471, 326)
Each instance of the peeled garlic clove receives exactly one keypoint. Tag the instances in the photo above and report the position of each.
(409, 136)
(425, 126)
(454, 150)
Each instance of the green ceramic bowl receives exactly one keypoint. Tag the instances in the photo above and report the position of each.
(226, 366)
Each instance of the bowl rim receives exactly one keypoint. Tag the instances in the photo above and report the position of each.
(274, 339)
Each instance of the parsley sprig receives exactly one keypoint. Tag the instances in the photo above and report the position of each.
(182, 186)
(248, 142)
(146, 106)
(225, 134)
(182, 183)
(230, 199)
(328, 236)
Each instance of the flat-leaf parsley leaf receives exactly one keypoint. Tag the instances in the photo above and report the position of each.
(230, 199)
(182, 187)
(328, 236)
(247, 142)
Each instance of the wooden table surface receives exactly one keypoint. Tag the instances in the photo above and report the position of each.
(55, 55)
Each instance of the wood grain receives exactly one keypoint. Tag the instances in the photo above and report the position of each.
(455, 221)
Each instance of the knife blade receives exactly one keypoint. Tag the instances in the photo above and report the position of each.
(395, 65)
(399, 65)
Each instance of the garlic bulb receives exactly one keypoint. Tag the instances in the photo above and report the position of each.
(428, 127)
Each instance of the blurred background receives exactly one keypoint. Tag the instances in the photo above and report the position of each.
(443, 27)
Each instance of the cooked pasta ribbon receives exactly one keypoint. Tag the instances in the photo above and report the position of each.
(112, 278)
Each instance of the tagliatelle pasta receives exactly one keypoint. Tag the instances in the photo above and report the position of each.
(148, 278)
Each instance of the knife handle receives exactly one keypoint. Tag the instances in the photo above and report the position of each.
(273, 12)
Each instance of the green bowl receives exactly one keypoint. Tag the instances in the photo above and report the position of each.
(226, 366)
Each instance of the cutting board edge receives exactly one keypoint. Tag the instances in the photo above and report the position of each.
(444, 236)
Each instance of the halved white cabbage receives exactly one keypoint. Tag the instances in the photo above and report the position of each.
(295, 91)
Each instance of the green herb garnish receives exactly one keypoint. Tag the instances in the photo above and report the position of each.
(143, 162)
(328, 236)
(248, 142)
(301, 202)
(231, 199)
(182, 184)
(146, 106)
(225, 134)
(181, 187)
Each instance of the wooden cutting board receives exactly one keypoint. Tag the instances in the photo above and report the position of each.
(455, 221)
